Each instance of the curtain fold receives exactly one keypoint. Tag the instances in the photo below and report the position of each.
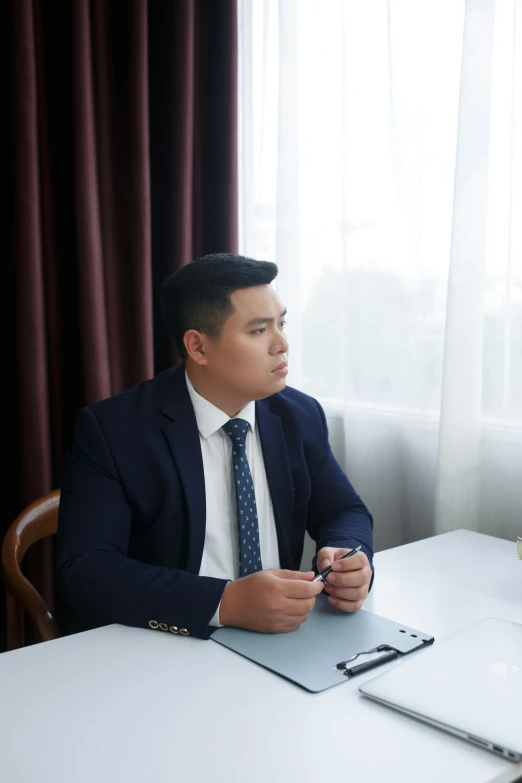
(122, 124)
(193, 136)
(458, 466)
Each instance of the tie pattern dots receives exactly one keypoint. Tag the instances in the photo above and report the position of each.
(248, 526)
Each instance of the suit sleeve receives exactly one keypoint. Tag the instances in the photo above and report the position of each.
(95, 576)
(336, 515)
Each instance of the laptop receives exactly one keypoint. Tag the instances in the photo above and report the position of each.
(469, 684)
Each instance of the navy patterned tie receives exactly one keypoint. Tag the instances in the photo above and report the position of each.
(248, 527)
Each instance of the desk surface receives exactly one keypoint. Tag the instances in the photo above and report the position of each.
(125, 704)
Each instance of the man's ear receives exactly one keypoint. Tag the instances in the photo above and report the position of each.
(195, 345)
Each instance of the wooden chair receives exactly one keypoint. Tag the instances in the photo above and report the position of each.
(36, 521)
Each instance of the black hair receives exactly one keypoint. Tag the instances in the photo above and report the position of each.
(197, 296)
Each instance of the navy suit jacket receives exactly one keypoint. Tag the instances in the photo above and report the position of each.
(131, 524)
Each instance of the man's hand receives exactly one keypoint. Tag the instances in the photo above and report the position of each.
(271, 601)
(349, 581)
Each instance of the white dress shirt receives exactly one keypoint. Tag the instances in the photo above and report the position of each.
(221, 549)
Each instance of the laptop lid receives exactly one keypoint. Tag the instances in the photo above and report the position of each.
(469, 684)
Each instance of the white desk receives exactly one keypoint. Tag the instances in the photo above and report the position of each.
(130, 705)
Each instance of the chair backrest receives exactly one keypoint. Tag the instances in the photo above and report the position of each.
(36, 521)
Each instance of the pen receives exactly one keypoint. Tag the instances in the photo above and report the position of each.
(322, 576)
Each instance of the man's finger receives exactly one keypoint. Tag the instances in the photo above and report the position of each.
(301, 608)
(289, 628)
(325, 557)
(285, 573)
(348, 593)
(345, 606)
(353, 563)
(350, 578)
(296, 588)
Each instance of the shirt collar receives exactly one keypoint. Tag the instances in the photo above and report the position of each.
(210, 419)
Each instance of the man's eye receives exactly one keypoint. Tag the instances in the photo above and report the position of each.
(282, 324)
(259, 331)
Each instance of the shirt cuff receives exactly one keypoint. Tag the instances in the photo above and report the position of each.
(215, 620)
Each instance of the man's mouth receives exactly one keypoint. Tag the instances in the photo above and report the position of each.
(281, 369)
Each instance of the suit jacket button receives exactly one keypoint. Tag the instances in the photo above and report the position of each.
(174, 629)
(164, 626)
(153, 624)
(184, 631)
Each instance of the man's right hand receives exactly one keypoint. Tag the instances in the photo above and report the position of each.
(271, 601)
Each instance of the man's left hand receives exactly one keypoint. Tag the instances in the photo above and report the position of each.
(349, 581)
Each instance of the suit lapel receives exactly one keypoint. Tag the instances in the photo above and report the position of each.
(183, 438)
(279, 476)
(181, 432)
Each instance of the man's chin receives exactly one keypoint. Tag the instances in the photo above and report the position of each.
(279, 383)
(276, 386)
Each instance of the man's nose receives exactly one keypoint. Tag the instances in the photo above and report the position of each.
(280, 345)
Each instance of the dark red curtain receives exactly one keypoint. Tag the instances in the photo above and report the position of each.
(121, 166)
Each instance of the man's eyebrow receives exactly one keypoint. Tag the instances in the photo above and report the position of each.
(263, 320)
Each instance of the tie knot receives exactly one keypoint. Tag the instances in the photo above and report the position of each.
(236, 430)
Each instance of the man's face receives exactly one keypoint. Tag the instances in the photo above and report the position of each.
(245, 358)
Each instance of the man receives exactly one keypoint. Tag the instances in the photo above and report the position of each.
(185, 499)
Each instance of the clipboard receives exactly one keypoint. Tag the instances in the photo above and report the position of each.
(329, 648)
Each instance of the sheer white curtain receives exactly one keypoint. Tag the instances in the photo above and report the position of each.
(381, 168)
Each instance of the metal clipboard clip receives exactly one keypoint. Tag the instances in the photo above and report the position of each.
(370, 659)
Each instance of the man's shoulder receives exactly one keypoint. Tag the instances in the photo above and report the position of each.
(146, 396)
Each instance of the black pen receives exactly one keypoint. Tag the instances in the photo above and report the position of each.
(324, 574)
